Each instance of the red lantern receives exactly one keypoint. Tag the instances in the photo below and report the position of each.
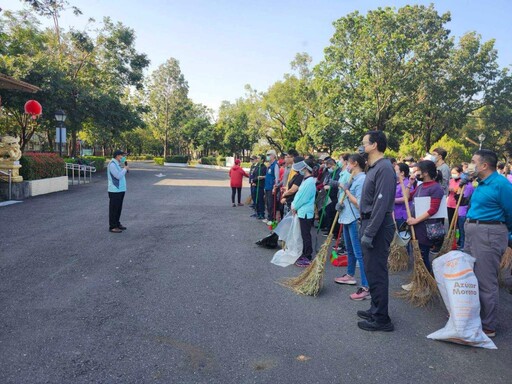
(33, 108)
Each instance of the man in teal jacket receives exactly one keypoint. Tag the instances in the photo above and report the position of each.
(116, 174)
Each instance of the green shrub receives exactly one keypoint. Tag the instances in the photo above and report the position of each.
(35, 166)
(221, 160)
(158, 160)
(99, 162)
(141, 157)
(177, 159)
(246, 165)
(209, 160)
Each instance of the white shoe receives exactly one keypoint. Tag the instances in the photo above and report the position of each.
(407, 287)
(264, 221)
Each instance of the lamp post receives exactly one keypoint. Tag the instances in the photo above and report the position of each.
(60, 116)
(481, 138)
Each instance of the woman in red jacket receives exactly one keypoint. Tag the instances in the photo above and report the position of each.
(236, 175)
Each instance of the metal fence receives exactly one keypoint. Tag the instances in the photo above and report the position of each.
(82, 172)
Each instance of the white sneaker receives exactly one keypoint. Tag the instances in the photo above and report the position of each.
(407, 287)
(264, 221)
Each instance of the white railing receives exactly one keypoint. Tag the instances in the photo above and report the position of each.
(9, 180)
(82, 172)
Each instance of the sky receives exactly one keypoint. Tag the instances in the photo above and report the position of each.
(223, 45)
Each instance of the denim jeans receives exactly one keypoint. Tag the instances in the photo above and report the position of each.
(462, 234)
(354, 252)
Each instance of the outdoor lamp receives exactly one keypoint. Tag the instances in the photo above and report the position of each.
(60, 116)
(481, 138)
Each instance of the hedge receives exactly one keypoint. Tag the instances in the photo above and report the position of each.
(99, 162)
(141, 157)
(158, 160)
(209, 160)
(177, 159)
(35, 166)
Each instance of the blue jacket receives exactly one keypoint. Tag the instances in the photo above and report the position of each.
(116, 177)
(304, 200)
(271, 176)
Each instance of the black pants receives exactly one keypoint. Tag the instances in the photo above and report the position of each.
(451, 213)
(114, 208)
(376, 268)
(269, 199)
(305, 231)
(330, 212)
(234, 190)
(260, 202)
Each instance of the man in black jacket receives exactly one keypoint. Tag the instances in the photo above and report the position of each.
(377, 230)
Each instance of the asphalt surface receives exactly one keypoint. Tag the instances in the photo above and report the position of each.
(184, 296)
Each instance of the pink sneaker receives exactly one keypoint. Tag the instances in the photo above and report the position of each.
(345, 279)
(361, 294)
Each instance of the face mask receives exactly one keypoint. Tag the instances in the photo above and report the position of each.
(472, 169)
(455, 176)
(361, 151)
(349, 168)
(419, 177)
(330, 170)
(123, 159)
(268, 158)
(301, 172)
(340, 164)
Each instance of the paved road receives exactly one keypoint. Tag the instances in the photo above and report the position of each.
(184, 296)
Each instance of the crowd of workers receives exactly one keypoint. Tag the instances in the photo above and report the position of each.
(370, 192)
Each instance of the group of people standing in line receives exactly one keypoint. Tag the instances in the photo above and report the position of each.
(376, 189)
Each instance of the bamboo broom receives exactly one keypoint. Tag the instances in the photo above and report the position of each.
(310, 281)
(398, 259)
(424, 287)
(450, 236)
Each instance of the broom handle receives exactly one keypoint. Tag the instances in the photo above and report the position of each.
(406, 201)
(455, 217)
(341, 202)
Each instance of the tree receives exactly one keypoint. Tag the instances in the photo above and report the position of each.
(372, 66)
(169, 103)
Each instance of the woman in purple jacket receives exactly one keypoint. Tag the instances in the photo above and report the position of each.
(402, 171)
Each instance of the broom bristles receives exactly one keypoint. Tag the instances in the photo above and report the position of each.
(506, 260)
(310, 281)
(447, 244)
(398, 257)
(248, 200)
(424, 287)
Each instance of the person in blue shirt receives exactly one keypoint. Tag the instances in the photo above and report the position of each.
(487, 228)
(303, 206)
(271, 184)
(349, 217)
(116, 174)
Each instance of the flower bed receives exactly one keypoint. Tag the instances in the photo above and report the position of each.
(35, 166)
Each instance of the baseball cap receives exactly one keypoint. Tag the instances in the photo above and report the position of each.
(118, 152)
(237, 161)
(272, 152)
(254, 157)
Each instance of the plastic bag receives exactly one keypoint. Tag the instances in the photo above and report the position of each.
(284, 226)
(459, 289)
(293, 247)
